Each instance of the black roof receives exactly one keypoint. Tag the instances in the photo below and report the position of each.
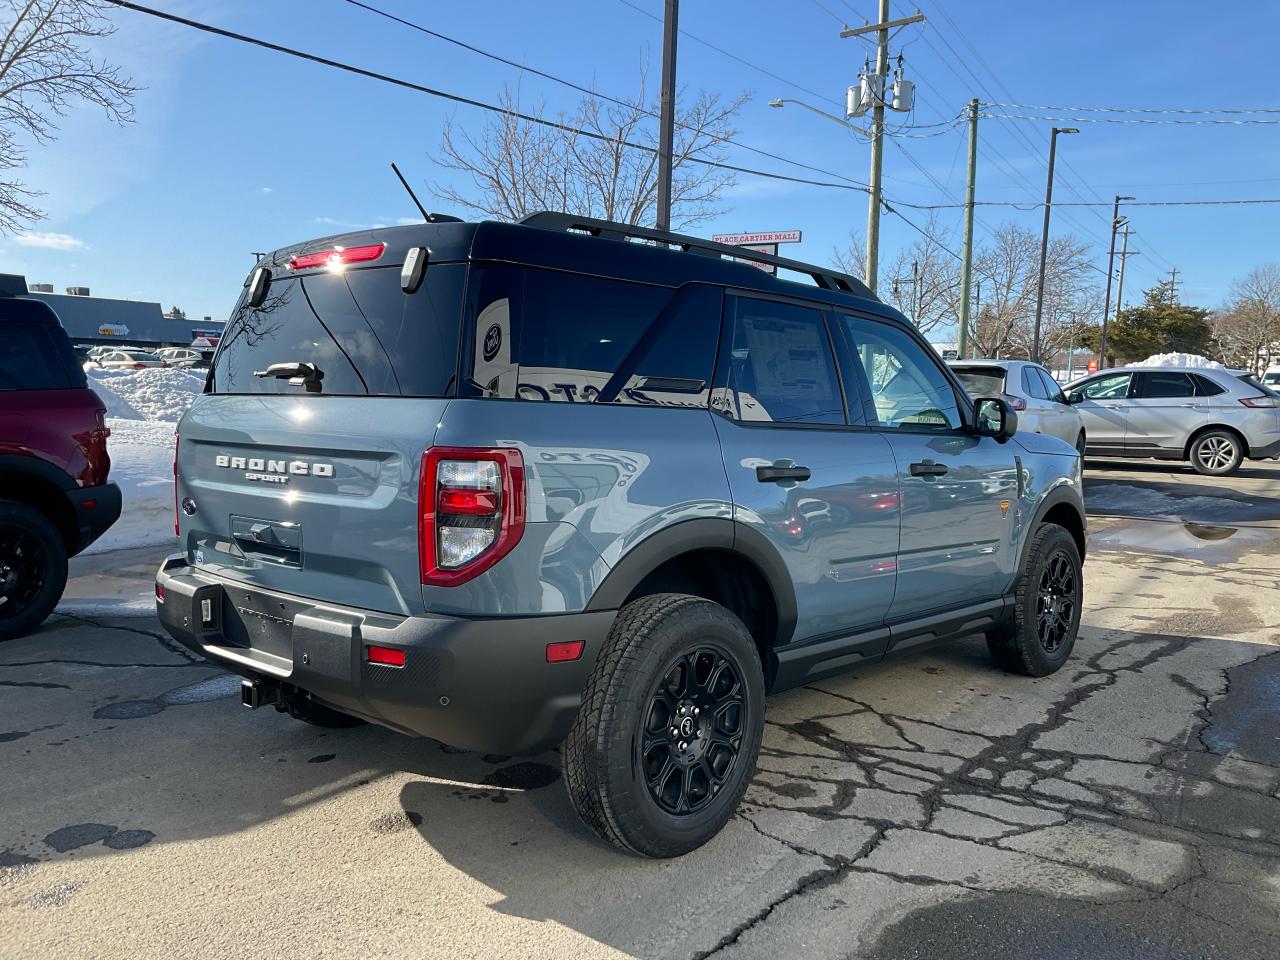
(22, 309)
(597, 247)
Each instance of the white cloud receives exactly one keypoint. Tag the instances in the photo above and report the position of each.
(50, 241)
(266, 189)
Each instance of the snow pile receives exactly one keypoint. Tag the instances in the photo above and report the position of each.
(1177, 360)
(142, 466)
(152, 394)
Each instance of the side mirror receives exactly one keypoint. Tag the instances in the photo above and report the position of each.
(995, 418)
(1074, 398)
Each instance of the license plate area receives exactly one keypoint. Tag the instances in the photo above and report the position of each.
(254, 621)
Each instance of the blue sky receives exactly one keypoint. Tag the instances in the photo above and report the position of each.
(238, 149)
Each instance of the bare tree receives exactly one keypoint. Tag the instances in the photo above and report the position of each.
(853, 258)
(609, 170)
(1247, 330)
(1010, 269)
(45, 69)
(923, 281)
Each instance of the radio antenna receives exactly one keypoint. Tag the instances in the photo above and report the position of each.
(412, 196)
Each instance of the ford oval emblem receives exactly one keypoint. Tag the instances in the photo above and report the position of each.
(492, 343)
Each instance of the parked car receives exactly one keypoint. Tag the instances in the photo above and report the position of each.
(1271, 378)
(55, 498)
(542, 485)
(1031, 390)
(129, 360)
(1211, 417)
(181, 357)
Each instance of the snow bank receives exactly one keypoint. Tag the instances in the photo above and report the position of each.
(142, 465)
(152, 394)
(1177, 360)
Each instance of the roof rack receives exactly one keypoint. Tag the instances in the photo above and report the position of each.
(567, 222)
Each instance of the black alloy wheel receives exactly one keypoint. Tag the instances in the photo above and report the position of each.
(1056, 601)
(23, 570)
(692, 733)
(33, 568)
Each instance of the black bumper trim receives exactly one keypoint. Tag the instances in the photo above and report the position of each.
(476, 684)
(93, 521)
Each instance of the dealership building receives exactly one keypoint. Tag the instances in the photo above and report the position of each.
(94, 320)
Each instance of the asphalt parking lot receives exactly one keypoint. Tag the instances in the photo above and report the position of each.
(1127, 807)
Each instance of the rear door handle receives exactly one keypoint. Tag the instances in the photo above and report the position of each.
(782, 470)
(928, 468)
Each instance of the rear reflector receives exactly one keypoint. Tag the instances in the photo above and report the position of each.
(387, 656)
(337, 258)
(88, 504)
(565, 651)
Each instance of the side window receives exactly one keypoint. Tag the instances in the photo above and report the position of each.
(781, 365)
(672, 364)
(1206, 387)
(554, 336)
(1157, 386)
(1052, 388)
(1114, 387)
(28, 360)
(908, 390)
(1032, 384)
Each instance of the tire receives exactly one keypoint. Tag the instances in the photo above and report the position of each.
(1053, 575)
(33, 569)
(1217, 453)
(670, 659)
(1080, 444)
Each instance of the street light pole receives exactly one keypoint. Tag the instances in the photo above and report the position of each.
(667, 119)
(1116, 221)
(1044, 238)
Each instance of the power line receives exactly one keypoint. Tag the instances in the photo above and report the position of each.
(581, 89)
(466, 101)
(1142, 121)
(732, 56)
(1171, 110)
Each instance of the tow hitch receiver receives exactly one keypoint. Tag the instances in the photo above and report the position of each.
(259, 693)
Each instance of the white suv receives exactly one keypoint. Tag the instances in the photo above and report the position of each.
(1031, 390)
(1212, 417)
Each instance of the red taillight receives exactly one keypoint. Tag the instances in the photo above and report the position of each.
(176, 441)
(139, 366)
(338, 257)
(387, 656)
(471, 506)
(1017, 403)
(565, 651)
(1261, 403)
(160, 593)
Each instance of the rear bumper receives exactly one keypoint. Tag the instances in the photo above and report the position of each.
(1265, 451)
(474, 684)
(96, 509)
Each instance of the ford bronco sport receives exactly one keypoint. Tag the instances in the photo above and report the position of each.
(54, 496)
(566, 481)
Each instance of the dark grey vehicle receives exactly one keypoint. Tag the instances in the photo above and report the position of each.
(567, 481)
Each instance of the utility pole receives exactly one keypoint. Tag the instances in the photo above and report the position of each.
(667, 120)
(1173, 286)
(1125, 254)
(915, 292)
(877, 86)
(1044, 238)
(1116, 221)
(966, 252)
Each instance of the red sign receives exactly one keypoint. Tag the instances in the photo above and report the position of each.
(1093, 366)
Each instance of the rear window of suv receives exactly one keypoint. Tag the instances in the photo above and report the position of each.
(359, 328)
(981, 381)
(37, 356)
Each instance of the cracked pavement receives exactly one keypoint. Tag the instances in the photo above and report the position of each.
(1128, 806)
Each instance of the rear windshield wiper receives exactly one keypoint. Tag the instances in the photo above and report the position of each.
(299, 374)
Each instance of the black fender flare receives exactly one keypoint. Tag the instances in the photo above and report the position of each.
(704, 533)
(1061, 494)
(38, 467)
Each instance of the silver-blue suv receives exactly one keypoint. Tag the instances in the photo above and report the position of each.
(572, 482)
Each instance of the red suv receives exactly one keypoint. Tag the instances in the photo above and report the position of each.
(54, 496)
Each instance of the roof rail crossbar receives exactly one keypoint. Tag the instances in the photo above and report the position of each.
(568, 223)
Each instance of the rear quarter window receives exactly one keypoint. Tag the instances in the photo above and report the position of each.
(32, 358)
